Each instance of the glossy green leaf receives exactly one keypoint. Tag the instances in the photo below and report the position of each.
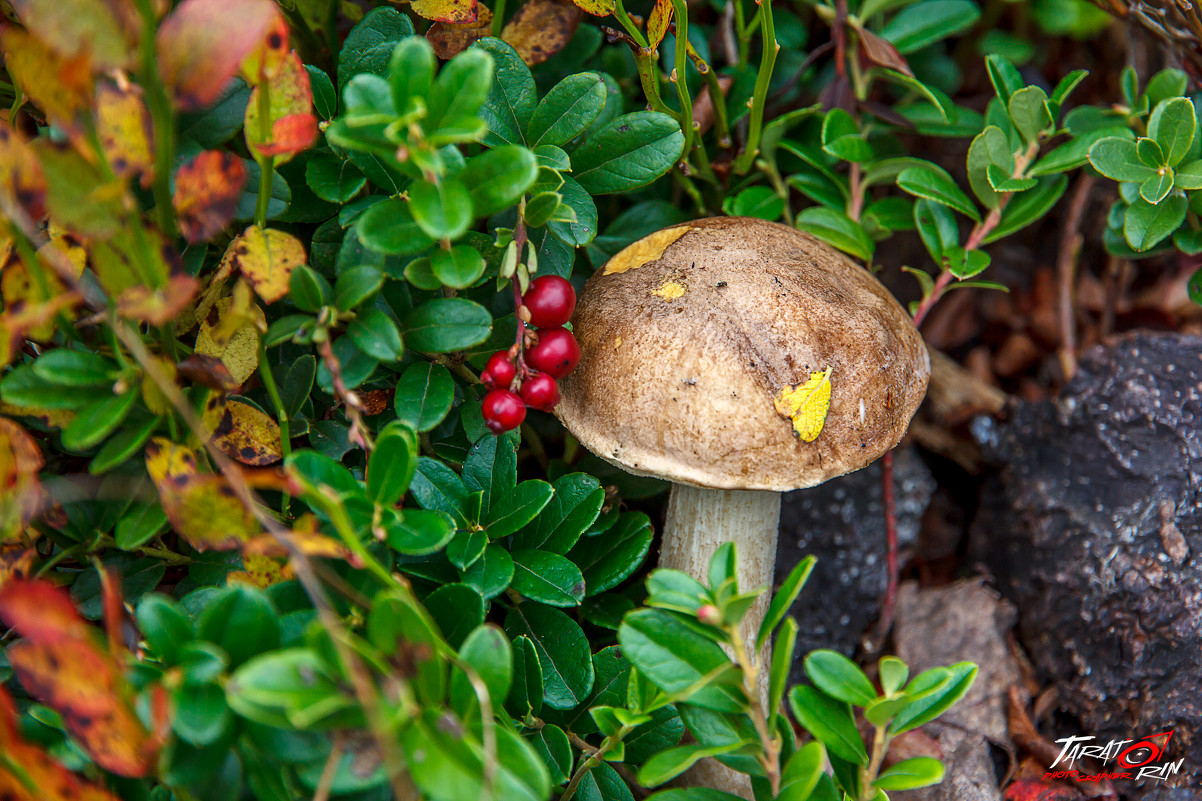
(356, 285)
(830, 721)
(572, 509)
(667, 765)
(910, 774)
(458, 268)
(1117, 158)
(443, 210)
(628, 153)
(512, 511)
(75, 368)
(782, 601)
(444, 325)
(934, 184)
(411, 72)
(675, 657)
(496, 179)
(376, 334)
(1173, 125)
(424, 395)
(1028, 110)
(94, 422)
(512, 98)
(609, 559)
(487, 652)
(562, 649)
(567, 110)
(461, 87)
(392, 464)
(934, 703)
(926, 22)
(390, 228)
(368, 47)
(333, 179)
(839, 677)
(547, 578)
(838, 230)
(1146, 224)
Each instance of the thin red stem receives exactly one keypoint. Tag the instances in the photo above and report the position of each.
(891, 565)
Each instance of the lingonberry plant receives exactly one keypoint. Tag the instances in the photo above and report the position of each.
(287, 293)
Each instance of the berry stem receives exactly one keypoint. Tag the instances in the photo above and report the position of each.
(519, 238)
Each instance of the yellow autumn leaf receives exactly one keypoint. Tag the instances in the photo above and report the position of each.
(267, 258)
(659, 22)
(238, 350)
(260, 571)
(806, 404)
(598, 8)
(201, 507)
(456, 11)
(243, 432)
(290, 126)
(123, 128)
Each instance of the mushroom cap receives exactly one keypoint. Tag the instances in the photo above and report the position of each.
(689, 335)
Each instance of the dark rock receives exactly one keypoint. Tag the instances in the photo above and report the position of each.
(1093, 527)
(842, 524)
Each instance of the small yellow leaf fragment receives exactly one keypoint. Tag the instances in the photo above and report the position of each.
(649, 248)
(617, 342)
(670, 290)
(806, 404)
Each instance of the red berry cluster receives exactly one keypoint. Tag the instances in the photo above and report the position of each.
(549, 354)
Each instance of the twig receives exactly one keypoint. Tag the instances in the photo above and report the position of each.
(329, 770)
(891, 566)
(1066, 268)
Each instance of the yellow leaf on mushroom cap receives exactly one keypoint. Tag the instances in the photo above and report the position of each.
(806, 404)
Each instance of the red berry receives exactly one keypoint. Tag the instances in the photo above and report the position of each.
(499, 372)
(556, 352)
(551, 301)
(540, 392)
(503, 411)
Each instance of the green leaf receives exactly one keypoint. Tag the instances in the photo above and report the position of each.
(443, 210)
(567, 110)
(547, 578)
(934, 184)
(392, 464)
(140, 524)
(782, 662)
(526, 691)
(1189, 175)
(1118, 159)
(1028, 109)
(411, 72)
(333, 179)
(417, 532)
(121, 447)
(554, 747)
(511, 101)
(375, 333)
(540, 208)
(1073, 153)
(510, 512)
(491, 574)
(929, 21)
(308, 289)
(562, 649)
(603, 783)
(1066, 86)
(240, 620)
(1026, 208)
(1173, 124)
(487, 652)
(693, 794)
(1001, 181)
(675, 658)
(368, 47)
(933, 704)
(461, 86)
(755, 201)
(667, 765)
(491, 468)
(459, 267)
(1157, 188)
(830, 722)
(610, 558)
(839, 677)
(783, 600)
(356, 285)
(1195, 287)
(572, 509)
(842, 139)
(94, 422)
(1149, 152)
(802, 773)
(164, 626)
(391, 229)
(910, 774)
(457, 609)
(424, 395)
(274, 687)
(75, 368)
(990, 148)
(1004, 77)
(200, 715)
(444, 325)
(496, 178)
(838, 230)
(1146, 224)
(435, 486)
(582, 229)
(628, 153)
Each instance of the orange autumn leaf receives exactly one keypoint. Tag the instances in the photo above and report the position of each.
(265, 59)
(456, 11)
(659, 22)
(40, 611)
(541, 28)
(22, 182)
(202, 43)
(49, 779)
(450, 39)
(60, 86)
(243, 432)
(21, 493)
(207, 188)
(291, 125)
(123, 128)
(16, 562)
(67, 674)
(267, 258)
(201, 507)
(158, 306)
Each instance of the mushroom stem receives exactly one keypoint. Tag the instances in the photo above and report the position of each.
(700, 520)
(697, 523)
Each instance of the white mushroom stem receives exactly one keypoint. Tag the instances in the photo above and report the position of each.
(701, 520)
(697, 523)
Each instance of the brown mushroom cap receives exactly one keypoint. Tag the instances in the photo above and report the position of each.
(688, 335)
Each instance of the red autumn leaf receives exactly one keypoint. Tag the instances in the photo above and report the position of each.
(52, 781)
(158, 306)
(202, 43)
(290, 126)
(40, 611)
(207, 188)
(459, 12)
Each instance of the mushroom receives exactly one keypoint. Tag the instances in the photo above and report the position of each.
(706, 350)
